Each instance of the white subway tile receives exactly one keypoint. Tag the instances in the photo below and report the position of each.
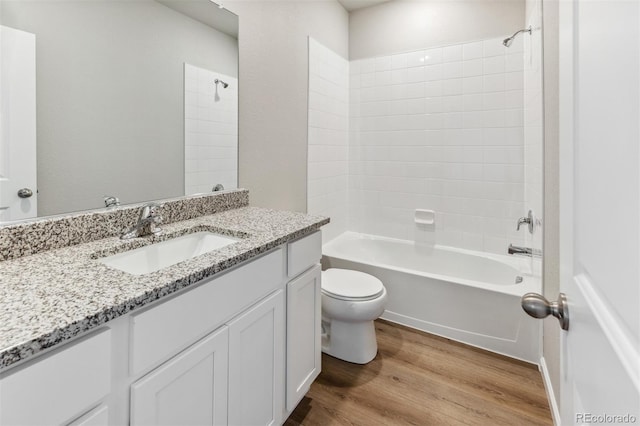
(472, 85)
(472, 120)
(514, 62)
(513, 81)
(433, 56)
(472, 50)
(367, 65)
(472, 67)
(494, 83)
(415, 59)
(452, 120)
(472, 102)
(433, 72)
(514, 99)
(368, 79)
(493, 100)
(452, 70)
(415, 106)
(383, 63)
(415, 74)
(494, 47)
(383, 78)
(433, 88)
(452, 103)
(452, 53)
(452, 87)
(493, 65)
(399, 76)
(399, 61)
(433, 105)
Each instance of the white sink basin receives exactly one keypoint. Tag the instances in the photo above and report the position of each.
(154, 257)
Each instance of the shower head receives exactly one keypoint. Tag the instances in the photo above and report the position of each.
(507, 41)
(224, 85)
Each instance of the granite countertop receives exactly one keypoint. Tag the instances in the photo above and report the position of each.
(50, 297)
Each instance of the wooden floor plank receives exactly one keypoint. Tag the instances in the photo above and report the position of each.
(422, 379)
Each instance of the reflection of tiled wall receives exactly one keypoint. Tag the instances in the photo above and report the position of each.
(439, 129)
(328, 166)
(210, 130)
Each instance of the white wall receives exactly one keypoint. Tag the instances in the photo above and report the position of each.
(551, 277)
(210, 130)
(533, 129)
(405, 25)
(328, 159)
(273, 97)
(439, 129)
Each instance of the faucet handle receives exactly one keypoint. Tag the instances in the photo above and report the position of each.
(529, 220)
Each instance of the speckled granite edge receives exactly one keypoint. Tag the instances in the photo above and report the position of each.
(83, 281)
(27, 238)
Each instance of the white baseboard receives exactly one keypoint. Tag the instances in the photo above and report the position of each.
(553, 403)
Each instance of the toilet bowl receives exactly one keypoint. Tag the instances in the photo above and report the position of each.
(351, 300)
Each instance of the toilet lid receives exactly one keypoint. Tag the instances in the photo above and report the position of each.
(350, 285)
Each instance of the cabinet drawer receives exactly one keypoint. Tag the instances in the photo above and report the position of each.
(304, 253)
(60, 386)
(163, 330)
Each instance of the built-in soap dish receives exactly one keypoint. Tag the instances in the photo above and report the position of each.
(425, 217)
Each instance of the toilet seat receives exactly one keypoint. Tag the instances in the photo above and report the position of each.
(345, 284)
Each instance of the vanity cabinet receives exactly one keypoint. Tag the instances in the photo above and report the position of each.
(303, 335)
(256, 364)
(304, 350)
(60, 385)
(239, 348)
(189, 389)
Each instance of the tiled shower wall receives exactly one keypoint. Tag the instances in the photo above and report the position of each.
(439, 129)
(328, 138)
(210, 130)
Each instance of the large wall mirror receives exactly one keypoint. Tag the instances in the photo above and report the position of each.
(132, 99)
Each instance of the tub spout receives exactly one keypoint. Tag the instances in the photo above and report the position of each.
(524, 251)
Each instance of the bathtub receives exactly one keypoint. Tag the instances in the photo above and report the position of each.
(468, 296)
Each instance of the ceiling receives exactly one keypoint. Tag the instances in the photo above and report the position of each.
(351, 5)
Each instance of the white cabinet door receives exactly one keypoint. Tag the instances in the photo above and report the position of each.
(189, 389)
(256, 364)
(99, 416)
(303, 335)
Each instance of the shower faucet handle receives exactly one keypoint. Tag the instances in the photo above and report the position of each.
(529, 220)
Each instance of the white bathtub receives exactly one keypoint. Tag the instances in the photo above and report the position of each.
(468, 296)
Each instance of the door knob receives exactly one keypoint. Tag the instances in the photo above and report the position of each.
(538, 306)
(25, 193)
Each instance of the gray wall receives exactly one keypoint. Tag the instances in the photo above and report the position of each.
(403, 25)
(110, 96)
(551, 277)
(274, 72)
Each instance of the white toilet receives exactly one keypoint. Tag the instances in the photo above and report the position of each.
(351, 300)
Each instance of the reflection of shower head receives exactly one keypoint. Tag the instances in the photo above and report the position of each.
(507, 41)
(224, 85)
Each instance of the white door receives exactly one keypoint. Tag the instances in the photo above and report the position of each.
(304, 343)
(189, 389)
(256, 364)
(17, 124)
(599, 210)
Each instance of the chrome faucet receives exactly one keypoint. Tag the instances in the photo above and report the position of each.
(147, 223)
(529, 221)
(524, 251)
(111, 201)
